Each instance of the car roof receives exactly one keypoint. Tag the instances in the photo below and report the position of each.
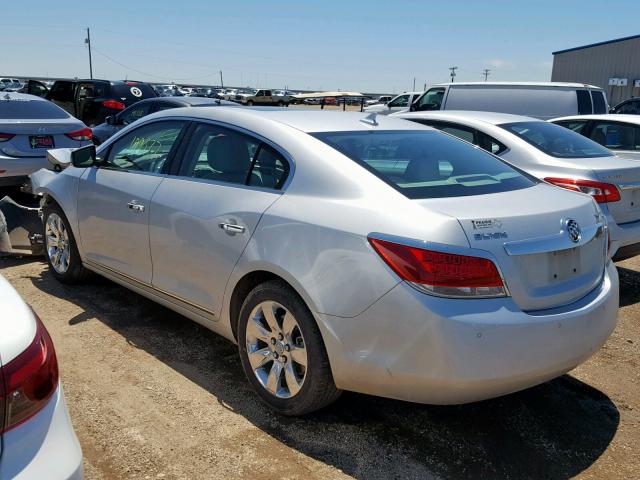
(618, 117)
(494, 118)
(304, 120)
(188, 101)
(523, 84)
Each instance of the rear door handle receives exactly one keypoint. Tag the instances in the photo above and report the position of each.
(231, 228)
(135, 206)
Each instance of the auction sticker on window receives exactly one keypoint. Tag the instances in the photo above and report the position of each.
(135, 91)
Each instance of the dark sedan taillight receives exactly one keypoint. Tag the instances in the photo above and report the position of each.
(29, 380)
(114, 104)
(80, 135)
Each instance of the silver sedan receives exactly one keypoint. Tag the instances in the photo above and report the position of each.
(558, 156)
(341, 251)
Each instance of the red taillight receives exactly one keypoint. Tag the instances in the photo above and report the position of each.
(114, 104)
(6, 136)
(80, 135)
(440, 273)
(29, 379)
(601, 192)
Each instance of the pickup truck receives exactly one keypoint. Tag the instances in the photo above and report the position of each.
(94, 100)
(261, 96)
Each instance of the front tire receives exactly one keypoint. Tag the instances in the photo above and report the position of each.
(250, 103)
(282, 352)
(60, 247)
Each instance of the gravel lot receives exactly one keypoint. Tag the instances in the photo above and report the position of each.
(154, 395)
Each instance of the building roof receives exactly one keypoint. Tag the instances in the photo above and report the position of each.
(597, 44)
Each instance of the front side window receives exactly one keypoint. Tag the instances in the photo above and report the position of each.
(432, 100)
(616, 136)
(399, 101)
(146, 148)
(630, 108)
(556, 141)
(427, 164)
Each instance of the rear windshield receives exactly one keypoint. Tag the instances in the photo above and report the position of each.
(21, 109)
(427, 164)
(557, 141)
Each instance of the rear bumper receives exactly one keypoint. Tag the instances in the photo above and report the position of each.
(624, 235)
(45, 446)
(420, 348)
(16, 170)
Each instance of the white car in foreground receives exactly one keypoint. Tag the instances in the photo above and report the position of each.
(38, 441)
(558, 156)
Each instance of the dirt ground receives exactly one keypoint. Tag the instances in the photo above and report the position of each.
(153, 395)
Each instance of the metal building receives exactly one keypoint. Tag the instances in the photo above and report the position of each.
(613, 65)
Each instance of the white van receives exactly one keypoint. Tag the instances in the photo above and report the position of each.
(543, 100)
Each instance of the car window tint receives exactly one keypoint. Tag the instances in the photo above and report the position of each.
(269, 170)
(616, 136)
(630, 108)
(490, 144)
(219, 154)
(134, 112)
(556, 141)
(599, 103)
(146, 148)
(432, 100)
(62, 91)
(463, 133)
(401, 101)
(427, 164)
(584, 102)
(575, 125)
(26, 109)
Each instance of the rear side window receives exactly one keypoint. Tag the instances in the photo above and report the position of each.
(616, 136)
(132, 91)
(269, 169)
(20, 109)
(584, 102)
(599, 103)
(427, 164)
(62, 91)
(556, 141)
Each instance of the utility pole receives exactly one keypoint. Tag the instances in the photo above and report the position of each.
(485, 72)
(453, 73)
(414, 84)
(88, 42)
(221, 82)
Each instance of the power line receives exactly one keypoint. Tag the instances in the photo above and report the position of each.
(486, 72)
(453, 73)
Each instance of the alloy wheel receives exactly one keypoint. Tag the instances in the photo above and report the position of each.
(276, 349)
(57, 243)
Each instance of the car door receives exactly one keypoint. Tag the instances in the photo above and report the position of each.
(202, 218)
(113, 199)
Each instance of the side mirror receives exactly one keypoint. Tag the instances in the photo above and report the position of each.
(59, 158)
(83, 157)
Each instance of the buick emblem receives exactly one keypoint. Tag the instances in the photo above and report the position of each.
(573, 229)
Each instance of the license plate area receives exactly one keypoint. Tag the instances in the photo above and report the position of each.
(564, 264)
(41, 141)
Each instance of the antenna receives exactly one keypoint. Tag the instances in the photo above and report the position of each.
(370, 119)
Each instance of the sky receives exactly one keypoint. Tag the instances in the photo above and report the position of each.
(355, 45)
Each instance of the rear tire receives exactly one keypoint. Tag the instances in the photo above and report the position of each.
(282, 353)
(60, 247)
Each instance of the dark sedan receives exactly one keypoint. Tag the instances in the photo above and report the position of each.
(142, 108)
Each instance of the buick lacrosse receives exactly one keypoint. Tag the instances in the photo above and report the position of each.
(559, 156)
(340, 251)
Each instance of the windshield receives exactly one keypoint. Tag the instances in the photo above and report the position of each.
(427, 164)
(22, 109)
(557, 141)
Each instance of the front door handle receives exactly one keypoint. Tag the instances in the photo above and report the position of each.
(135, 206)
(231, 228)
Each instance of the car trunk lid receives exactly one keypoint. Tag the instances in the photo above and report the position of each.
(625, 175)
(527, 233)
(32, 139)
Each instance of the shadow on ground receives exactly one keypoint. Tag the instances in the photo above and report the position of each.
(555, 430)
(629, 286)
